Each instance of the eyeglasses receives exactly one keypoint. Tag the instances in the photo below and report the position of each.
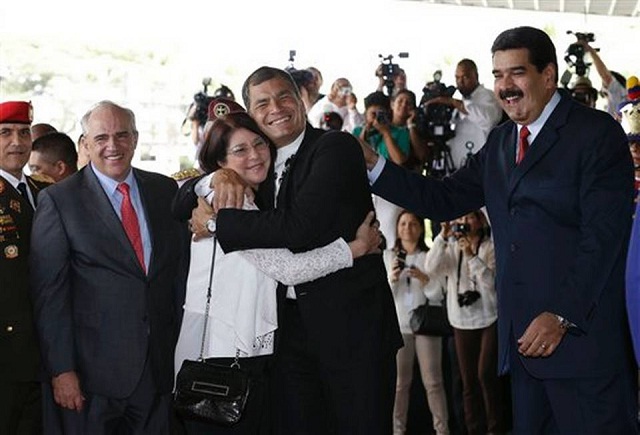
(243, 151)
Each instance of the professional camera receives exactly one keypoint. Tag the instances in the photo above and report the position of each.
(468, 297)
(574, 55)
(390, 70)
(461, 228)
(435, 119)
(292, 58)
(201, 102)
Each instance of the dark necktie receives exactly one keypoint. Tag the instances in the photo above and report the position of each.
(22, 188)
(130, 223)
(523, 144)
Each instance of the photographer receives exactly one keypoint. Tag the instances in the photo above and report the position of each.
(336, 101)
(398, 80)
(476, 112)
(463, 252)
(613, 83)
(390, 141)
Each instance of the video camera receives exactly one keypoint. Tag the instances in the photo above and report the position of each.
(435, 119)
(390, 70)
(202, 99)
(201, 102)
(574, 56)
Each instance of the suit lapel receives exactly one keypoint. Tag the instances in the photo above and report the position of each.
(310, 136)
(544, 141)
(94, 196)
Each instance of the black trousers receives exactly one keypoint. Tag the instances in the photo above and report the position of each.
(312, 398)
(20, 408)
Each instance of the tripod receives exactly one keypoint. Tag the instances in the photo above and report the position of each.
(441, 164)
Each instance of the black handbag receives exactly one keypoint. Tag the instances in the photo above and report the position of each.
(431, 320)
(210, 392)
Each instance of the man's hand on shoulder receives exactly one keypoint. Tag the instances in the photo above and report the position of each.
(229, 189)
(368, 237)
(542, 337)
(67, 392)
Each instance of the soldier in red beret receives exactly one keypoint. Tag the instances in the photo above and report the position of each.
(20, 405)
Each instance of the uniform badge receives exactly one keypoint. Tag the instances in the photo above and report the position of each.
(5, 219)
(14, 204)
(11, 251)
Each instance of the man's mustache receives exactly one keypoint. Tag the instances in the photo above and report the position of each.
(510, 93)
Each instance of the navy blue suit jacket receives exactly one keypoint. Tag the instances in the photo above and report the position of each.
(561, 222)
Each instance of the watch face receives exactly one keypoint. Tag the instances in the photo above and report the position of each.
(211, 225)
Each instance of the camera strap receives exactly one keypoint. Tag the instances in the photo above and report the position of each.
(459, 272)
(460, 268)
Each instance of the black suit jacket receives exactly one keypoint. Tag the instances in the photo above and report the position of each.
(349, 315)
(561, 221)
(19, 354)
(96, 310)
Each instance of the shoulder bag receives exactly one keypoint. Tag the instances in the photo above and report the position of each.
(209, 392)
(430, 320)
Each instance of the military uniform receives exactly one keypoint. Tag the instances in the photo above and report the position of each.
(19, 353)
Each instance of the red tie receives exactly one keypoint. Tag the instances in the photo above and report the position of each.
(523, 145)
(130, 223)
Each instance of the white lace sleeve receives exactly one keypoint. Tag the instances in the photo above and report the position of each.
(292, 269)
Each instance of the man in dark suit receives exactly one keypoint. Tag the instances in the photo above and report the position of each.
(20, 408)
(338, 336)
(107, 285)
(560, 204)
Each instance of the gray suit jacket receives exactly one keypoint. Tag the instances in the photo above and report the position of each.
(96, 311)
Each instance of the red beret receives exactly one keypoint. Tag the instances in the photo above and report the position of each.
(223, 106)
(16, 112)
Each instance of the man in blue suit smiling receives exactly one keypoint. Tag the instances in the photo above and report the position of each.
(557, 181)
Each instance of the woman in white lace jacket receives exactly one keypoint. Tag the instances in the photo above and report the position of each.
(243, 317)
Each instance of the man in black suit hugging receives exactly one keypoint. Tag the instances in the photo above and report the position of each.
(338, 336)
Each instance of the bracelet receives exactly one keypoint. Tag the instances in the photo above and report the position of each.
(411, 125)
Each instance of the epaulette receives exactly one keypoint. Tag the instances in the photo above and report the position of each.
(41, 178)
(185, 174)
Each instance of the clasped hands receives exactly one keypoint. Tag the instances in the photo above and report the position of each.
(231, 191)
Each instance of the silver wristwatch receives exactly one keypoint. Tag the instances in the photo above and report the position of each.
(211, 226)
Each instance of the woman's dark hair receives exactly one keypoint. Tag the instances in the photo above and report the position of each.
(377, 98)
(408, 93)
(422, 246)
(542, 52)
(485, 231)
(216, 139)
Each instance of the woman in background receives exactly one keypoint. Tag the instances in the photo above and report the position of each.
(412, 287)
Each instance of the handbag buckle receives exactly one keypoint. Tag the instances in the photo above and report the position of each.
(209, 388)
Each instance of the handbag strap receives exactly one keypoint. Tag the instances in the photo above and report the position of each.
(236, 362)
(208, 305)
